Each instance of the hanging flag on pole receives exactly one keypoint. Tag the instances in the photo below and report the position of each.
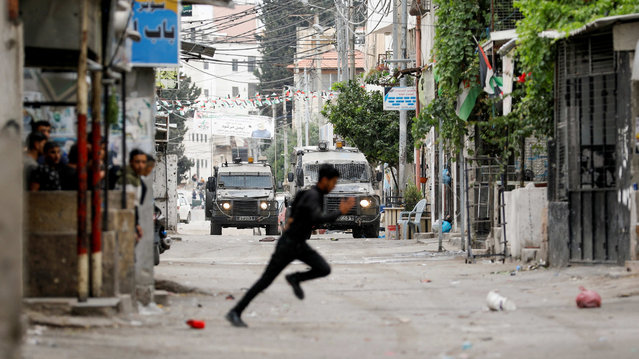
(487, 78)
(466, 99)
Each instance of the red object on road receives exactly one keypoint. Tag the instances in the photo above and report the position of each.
(588, 299)
(196, 324)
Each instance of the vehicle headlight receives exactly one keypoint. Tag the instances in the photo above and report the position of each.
(264, 205)
(365, 203)
(226, 206)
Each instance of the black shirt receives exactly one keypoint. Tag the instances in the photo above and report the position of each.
(307, 212)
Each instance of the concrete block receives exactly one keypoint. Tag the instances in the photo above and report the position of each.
(115, 200)
(125, 306)
(529, 255)
(49, 306)
(54, 211)
(51, 265)
(121, 220)
(126, 261)
(425, 235)
(144, 294)
(96, 307)
(109, 264)
(161, 297)
(632, 266)
(558, 234)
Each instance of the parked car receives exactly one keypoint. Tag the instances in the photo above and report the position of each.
(183, 210)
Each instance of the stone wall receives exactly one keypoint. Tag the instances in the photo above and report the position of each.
(51, 247)
(525, 209)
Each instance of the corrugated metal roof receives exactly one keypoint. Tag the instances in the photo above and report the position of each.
(589, 27)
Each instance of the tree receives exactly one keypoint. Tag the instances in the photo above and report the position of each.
(359, 117)
(536, 54)
(187, 92)
(279, 38)
(270, 152)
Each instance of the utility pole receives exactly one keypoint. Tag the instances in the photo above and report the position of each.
(285, 132)
(403, 114)
(351, 26)
(275, 140)
(308, 112)
(340, 40)
(82, 98)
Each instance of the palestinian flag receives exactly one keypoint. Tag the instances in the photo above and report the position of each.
(487, 78)
(466, 99)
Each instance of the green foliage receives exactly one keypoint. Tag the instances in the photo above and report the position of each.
(187, 91)
(411, 196)
(278, 40)
(358, 116)
(455, 61)
(536, 55)
(270, 152)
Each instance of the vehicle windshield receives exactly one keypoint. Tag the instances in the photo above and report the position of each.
(242, 181)
(348, 172)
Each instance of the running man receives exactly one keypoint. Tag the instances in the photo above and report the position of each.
(306, 213)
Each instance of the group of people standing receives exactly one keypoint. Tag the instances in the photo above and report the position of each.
(47, 167)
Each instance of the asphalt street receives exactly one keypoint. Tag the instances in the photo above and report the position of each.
(383, 299)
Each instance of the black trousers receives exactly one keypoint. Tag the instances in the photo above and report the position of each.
(286, 251)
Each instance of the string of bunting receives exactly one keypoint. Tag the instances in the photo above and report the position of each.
(183, 106)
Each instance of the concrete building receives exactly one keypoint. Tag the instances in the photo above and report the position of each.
(315, 70)
(592, 214)
(229, 76)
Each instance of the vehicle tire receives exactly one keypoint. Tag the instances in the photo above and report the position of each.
(271, 230)
(371, 230)
(188, 218)
(216, 229)
(156, 254)
(179, 220)
(357, 232)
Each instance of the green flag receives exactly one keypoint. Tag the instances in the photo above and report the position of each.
(466, 99)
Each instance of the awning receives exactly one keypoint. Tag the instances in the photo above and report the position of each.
(589, 27)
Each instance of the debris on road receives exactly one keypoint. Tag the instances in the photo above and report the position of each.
(268, 239)
(588, 299)
(196, 324)
(497, 302)
(467, 345)
(426, 280)
(335, 239)
(230, 297)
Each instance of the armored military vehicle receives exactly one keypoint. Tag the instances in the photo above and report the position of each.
(242, 195)
(356, 180)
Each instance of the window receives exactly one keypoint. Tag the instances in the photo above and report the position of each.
(236, 91)
(206, 65)
(234, 65)
(252, 90)
(251, 63)
(206, 138)
(206, 92)
(239, 181)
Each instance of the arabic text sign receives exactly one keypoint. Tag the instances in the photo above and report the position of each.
(236, 125)
(400, 98)
(157, 23)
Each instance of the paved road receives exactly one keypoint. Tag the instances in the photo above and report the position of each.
(384, 299)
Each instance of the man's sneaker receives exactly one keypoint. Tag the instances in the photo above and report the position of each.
(234, 318)
(299, 293)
